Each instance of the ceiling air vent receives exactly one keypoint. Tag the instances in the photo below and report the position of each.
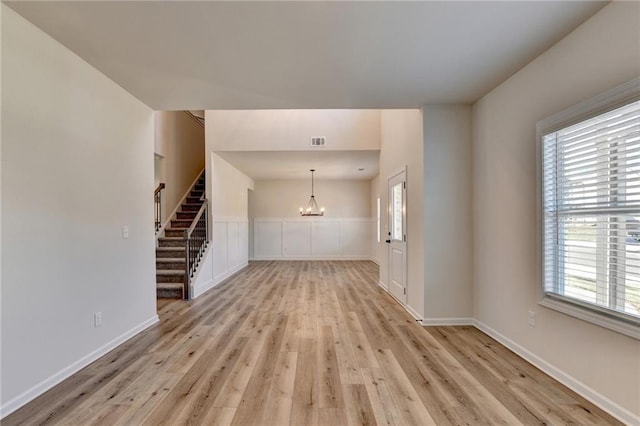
(322, 141)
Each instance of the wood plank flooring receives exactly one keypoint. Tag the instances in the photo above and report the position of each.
(306, 343)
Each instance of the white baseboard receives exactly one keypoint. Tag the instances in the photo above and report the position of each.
(309, 258)
(583, 390)
(446, 321)
(413, 312)
(203, 288)
(66, 372)
(407, 308)
(226, 274)
(208, 285)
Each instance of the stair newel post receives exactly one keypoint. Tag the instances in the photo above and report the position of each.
(206, 221)
(187, 254)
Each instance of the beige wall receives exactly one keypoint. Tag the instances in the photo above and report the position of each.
(283, 198)
(291, 130)
(179, 139)
(447, 214)
(77, 166)
(228, 189)
(598, 55)
(402, 146)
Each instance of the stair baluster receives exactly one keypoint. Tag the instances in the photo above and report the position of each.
(157, 199)
(183, 244)
(195, 243)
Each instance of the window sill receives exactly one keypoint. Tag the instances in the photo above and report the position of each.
(590, 315)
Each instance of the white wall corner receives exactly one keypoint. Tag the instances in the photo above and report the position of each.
(407, 307)
(413, 313)
(40, 388)
(583, 390)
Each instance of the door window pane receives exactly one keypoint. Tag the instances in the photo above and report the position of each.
(396, 205)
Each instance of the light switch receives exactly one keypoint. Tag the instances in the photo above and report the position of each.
(125, 232)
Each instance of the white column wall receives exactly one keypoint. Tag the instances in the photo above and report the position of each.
(77, 166)
(448, 236)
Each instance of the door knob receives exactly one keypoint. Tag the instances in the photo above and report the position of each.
(388, 241)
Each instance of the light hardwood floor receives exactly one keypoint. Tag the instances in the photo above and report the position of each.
(306, 343)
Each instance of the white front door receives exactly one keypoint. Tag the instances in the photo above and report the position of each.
(397, 236)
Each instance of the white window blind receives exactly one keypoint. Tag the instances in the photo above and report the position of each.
(591, 203)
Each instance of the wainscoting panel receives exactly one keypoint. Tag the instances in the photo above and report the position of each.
(325, 239)
(356, 239)
(233, 243)
(220, 249)
(227, 254)
(312, 238)
(269, 243)
(243, 248)
(296, 239)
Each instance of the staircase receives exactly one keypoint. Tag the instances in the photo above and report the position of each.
(170, 254)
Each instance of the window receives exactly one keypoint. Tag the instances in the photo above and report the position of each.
(591, 215)
(396, 212)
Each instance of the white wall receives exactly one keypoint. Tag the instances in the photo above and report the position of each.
(402, 146)
(227, 192)
(598, 55)
(448, 293)
(347, 202)
(227, 189)
(77, 166)
(284, 198)
(291, 130)
(278, 232)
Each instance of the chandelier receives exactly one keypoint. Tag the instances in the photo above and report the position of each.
(312, 206)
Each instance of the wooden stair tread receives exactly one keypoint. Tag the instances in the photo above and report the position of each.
(170, 286)
(170, 261)
(169, 272)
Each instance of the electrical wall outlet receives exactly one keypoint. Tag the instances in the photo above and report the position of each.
(532, 318)
(97, 319)
(125, 232)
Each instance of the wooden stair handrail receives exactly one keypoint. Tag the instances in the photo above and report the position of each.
(157, 201)
(159, 188)
(188, 232)
(196, 238)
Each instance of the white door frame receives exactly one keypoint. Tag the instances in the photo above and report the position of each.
(398, 289)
